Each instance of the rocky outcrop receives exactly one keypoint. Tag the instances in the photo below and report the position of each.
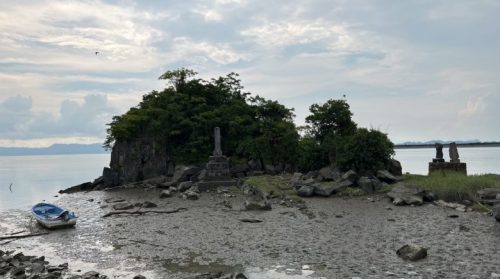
(139, 159)
(386, 176)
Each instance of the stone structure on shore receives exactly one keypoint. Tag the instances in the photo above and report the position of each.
(439, 164)
(217, 169)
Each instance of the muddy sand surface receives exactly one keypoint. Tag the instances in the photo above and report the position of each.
(332, 238)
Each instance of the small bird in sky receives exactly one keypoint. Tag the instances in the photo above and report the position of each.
(97, 52)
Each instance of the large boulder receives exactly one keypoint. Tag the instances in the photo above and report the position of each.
(323, 190)
(329, 174)
(351, 176)
(183, 186)
(394, 167)
(412, 252)
(186, 173)
(386, 176)
(488, 193)
(296, 178)
(369, 184)
(305, 191)
(402, 194)
(496, 212)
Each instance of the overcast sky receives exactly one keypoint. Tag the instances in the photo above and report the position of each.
(417, 70)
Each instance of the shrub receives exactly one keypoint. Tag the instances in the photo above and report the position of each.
(366, 151)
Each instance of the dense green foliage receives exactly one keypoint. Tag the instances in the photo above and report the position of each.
(365, 151)
(333, 138)
(454, 186)
(182, 117)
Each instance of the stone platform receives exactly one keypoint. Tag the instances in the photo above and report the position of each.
(447, 166)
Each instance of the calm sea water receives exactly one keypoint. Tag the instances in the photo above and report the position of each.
(479, 160)
(37, 178)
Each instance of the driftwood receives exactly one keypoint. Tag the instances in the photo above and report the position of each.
(144, 212)
(22, 235)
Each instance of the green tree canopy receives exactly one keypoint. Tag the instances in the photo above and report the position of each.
(181, 118)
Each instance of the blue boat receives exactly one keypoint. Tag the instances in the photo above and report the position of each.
(52, 216)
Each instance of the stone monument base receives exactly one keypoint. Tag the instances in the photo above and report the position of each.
(447, 166)
(217, 174)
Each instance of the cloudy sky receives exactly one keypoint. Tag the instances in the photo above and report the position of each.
(417, 70)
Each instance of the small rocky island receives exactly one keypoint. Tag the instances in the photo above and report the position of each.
(206, 181)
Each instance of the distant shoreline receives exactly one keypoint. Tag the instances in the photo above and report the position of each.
(473, 144)
(55, 149)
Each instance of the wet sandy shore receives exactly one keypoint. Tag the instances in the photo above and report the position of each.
(333, 238)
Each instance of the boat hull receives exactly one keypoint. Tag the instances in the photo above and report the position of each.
(52, 217)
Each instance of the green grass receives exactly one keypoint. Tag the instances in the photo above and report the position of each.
(454, 186)
(277, 185)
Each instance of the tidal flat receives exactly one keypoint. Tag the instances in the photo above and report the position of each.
(336, 237)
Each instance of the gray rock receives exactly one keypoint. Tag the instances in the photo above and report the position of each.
(394, 167)
(192, 195)
(386, 176)
(253, 205)
(496, 212)
(17, 271)
(330, 174)
(166, 194)
(90, 275)
(369, 184)
(186, 173)
(488, 193)
(139, 277)
(351, 176)
(305, 191)
(148, 204)
(123, 206)
(412, 252)
(323, 190)
(296, 178)
(183, 186)
(402, 194)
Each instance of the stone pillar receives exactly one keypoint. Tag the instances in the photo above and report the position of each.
(217, 149)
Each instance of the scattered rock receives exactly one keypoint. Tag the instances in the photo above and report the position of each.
(123, 206)
(329, 174)
(402, 194)
(453, 216)
(395, 167)
(191, 195)
(323, 190)
(463, 228)
(166, 194)
(386, 176)
(496, 212)
(305, 191)
(90, 275)
(183, 186)
(253, 205)
(139, 277)
(456, 206)
(148, 204)
(369, 184)
(351, 176)
(412, 252)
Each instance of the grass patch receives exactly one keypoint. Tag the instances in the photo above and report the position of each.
(454, 186)
(275, 185)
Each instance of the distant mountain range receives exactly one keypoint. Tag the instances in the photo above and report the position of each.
(462, 143)
(439, 141)
(55, 149)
